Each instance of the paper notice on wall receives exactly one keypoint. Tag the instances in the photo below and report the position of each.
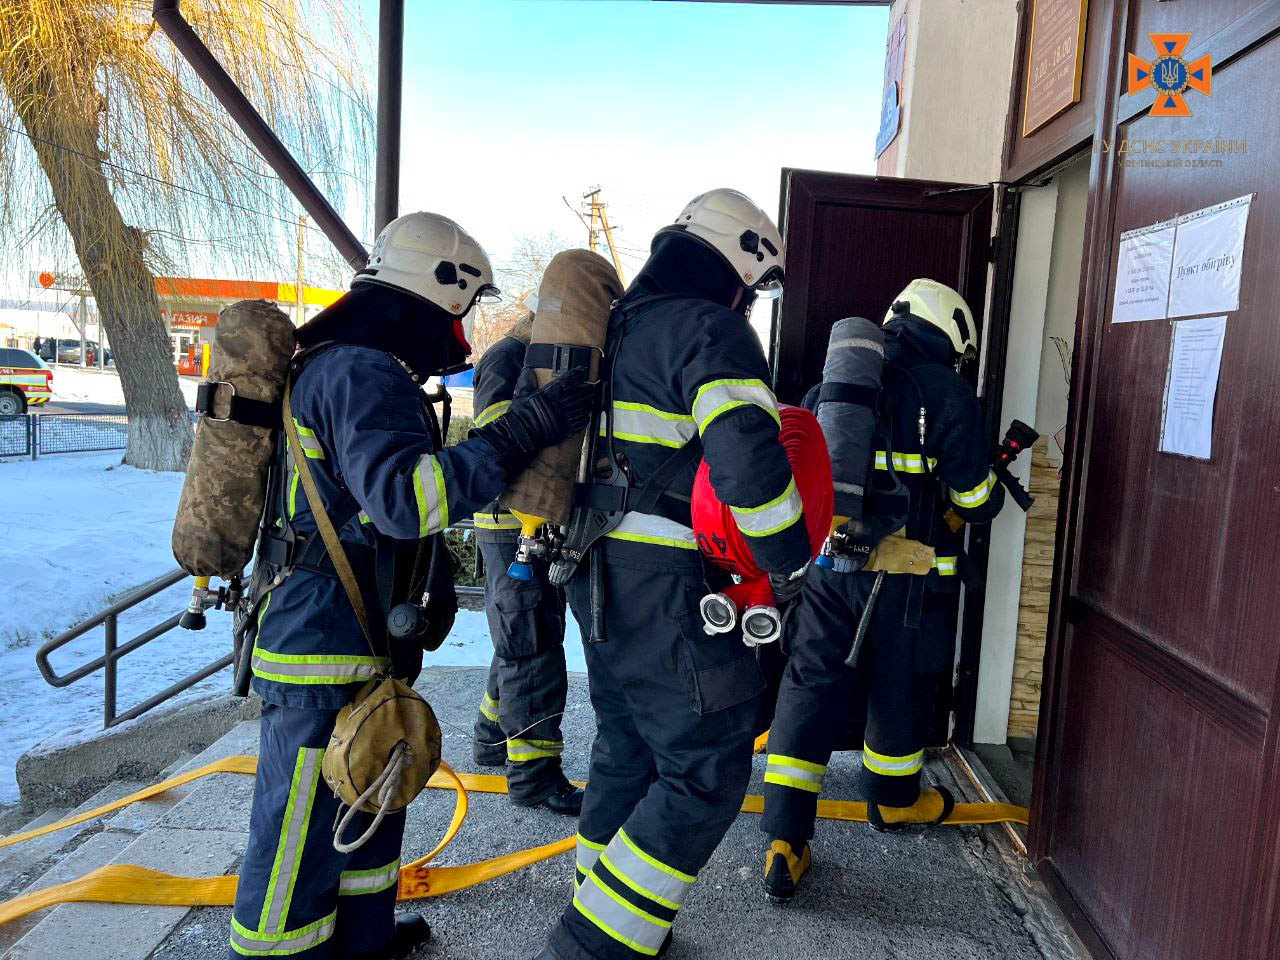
(1191, 386)
(1142, 274)
(1207, 259)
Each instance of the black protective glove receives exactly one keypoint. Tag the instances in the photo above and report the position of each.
(542, 419)
(787, 586)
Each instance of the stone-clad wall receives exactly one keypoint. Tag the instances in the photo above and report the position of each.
(1033, 604)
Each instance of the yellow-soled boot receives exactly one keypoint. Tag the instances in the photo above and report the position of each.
(783, 868)
(932, 807)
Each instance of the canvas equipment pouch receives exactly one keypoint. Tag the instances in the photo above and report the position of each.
(386, 743)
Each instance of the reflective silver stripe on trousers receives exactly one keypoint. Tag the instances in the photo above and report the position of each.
(354, 882)
(776, 515)
(657, 881)
(588, 853)
(248, 943)
(293, 833)
(622, 920)
(856, 489)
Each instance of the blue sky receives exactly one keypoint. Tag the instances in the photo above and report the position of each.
(510, 104)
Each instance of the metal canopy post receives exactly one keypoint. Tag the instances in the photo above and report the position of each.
(386, 190)
(219, 82)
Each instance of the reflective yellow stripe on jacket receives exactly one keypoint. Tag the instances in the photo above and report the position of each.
(491, 413)
(772, 517)
(433, 502)
(641, 423)
(977, 496)
(904, 462)
(718, 397)
(659, 531)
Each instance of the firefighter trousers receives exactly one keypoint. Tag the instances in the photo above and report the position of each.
(897, 677)
(298, 897)
(672, 755)
(523, 700)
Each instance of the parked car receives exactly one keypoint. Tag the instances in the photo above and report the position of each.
(24, 379)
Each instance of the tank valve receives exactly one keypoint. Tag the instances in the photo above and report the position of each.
(719, 614)
(193, 617)
(531, 546)
(761, 625)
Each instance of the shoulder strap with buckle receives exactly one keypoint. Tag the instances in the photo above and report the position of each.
(337, 555)
(213, 395)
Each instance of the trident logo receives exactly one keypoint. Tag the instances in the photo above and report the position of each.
(1170, 76)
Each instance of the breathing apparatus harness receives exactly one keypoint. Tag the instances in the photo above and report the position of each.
(604, 491)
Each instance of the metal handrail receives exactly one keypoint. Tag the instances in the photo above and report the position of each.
(113, 651)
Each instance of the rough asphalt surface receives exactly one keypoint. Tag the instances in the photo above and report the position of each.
(954, 893)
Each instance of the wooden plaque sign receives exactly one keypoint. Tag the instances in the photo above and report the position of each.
(1054, 61)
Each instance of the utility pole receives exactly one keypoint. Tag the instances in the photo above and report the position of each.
(302, 252)
(599, 215)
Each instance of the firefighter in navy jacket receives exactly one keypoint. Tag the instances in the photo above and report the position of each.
(365, 432)
(675, 707)
(937, 449)
(519, 716)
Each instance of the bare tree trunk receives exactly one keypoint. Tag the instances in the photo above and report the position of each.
(111, 255)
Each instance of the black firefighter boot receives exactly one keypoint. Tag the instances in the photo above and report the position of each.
(567, 800)
(412, 931)
(546, 954)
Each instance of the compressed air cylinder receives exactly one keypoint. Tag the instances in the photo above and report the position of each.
(847, 409)
(222, 497)
(574, 303)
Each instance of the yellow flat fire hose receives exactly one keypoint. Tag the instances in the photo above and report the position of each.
(128, 884)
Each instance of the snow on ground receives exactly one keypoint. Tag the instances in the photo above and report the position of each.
(102, 386)
(76, 533)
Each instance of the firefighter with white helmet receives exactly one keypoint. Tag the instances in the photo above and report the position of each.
(389, 488)
(930, 435)
(675, 708)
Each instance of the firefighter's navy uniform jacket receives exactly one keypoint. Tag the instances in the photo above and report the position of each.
(366, 437)
(674, 707)
(525, 693)
(910, 643)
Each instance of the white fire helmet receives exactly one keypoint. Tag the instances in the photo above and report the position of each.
(939, 306)
(742, 233)
(433, 258)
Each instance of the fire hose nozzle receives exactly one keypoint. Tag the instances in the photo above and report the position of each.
(761, 625)
(719, 614)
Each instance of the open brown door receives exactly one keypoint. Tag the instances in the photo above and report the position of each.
(853, 244)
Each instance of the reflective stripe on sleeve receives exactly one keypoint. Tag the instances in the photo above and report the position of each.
(247, 943)
(641, 423)
(522, 751)
(904, 462)
(491, 413)
(772, 517)
(293, 838)
(720, 396)
(360, 882)
(978, 495)
(647, 528)
(794, 772)
(946, 566)
(888, 766)
(433, 503)
(310, 442)
(315, 668)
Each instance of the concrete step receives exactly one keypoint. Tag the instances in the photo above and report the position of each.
(184, 831)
